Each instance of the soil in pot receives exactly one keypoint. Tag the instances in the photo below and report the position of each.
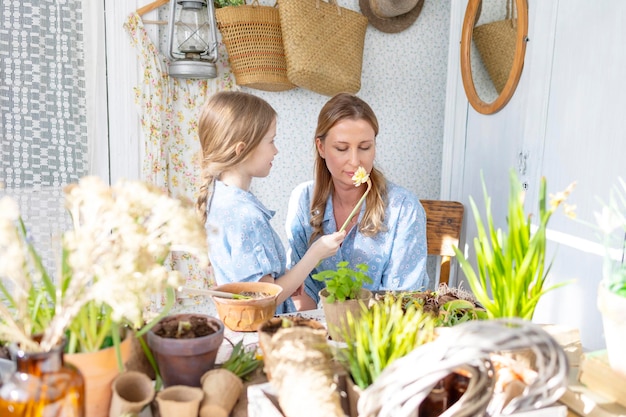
(173, 328)
(255, 295)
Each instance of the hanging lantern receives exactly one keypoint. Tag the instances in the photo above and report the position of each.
(192, 40)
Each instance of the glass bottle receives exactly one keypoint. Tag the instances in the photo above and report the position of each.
(42, 386)
(436, 402)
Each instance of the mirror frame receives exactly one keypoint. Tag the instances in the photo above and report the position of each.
(521, 38)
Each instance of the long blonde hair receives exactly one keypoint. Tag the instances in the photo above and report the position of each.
(340, 107)
(227, 119)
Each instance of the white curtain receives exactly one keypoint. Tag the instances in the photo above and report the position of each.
(43, 111)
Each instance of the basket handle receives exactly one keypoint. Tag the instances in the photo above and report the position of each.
(317, 5)
(510, 13)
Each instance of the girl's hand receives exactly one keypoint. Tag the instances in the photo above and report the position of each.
(328, 245)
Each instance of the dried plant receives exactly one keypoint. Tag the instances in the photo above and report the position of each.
(112, 262)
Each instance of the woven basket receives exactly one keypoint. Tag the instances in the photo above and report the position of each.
(254, 44)
(323, 45)
(495, 42)
(406, 382)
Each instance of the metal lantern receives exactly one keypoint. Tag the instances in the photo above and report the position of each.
(192, 40)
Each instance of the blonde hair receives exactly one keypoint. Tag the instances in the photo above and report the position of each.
(227, 119)
(340, 107)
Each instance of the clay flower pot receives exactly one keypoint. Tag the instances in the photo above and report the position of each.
(132, 391)
(336, 312)
(179, 401)
(247, 315)
(182, 360)
(222, 389)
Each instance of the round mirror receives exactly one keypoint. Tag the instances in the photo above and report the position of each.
(493, 44)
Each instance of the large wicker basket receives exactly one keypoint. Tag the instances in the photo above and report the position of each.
(254, 44)
(323, 45)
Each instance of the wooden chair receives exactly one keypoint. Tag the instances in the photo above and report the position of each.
(443, 230)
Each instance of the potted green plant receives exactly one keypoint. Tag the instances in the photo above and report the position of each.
(344, 292)
(511, 270)
(387, 330)
(390, 329)
(612, 290)
(111, 263)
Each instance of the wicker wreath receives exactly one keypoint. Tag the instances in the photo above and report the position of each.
(405, 383)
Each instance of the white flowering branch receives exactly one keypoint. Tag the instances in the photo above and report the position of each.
(113, 261)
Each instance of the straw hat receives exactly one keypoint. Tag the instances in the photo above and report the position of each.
(391, 16)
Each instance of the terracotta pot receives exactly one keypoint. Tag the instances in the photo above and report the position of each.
(247, 315)
(132, 391)
(269, 328)
(179, 401)
(613, 309)
(184, 361)
(221, 391)
(336, 312)
(99, 369)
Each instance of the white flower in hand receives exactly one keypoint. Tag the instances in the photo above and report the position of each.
(361, 176)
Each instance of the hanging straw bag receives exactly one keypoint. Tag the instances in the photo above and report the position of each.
(254, 43)
(323, 45)
(495, 42)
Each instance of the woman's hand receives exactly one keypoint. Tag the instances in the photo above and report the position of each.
(328, 245)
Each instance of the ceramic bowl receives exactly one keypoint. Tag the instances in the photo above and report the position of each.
(247, 315)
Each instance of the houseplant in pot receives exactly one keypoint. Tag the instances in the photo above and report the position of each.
(612, 289)
(511, 270)
(111, 263)
(344, 292)
(389, 330)
(185, 346)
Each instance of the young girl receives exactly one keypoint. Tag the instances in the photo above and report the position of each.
(237, 132)
(388, 233)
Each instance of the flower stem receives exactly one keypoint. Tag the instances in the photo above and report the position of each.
(357, 207)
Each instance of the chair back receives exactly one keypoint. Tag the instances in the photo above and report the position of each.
(443, 230)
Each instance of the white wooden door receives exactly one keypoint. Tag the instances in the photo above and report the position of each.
(567, 121)
(585, 140)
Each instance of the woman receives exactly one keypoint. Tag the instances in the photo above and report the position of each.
(237, 132)
(389, 233)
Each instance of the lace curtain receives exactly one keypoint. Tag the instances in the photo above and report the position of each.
(43, 121)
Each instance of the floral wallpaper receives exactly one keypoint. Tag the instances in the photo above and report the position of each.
(404, 80)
